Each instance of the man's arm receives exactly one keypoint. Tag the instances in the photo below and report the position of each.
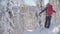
(43, 11)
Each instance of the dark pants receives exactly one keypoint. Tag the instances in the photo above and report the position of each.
(47, 22)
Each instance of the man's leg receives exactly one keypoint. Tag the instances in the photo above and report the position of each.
(49, 21)
(46, 22)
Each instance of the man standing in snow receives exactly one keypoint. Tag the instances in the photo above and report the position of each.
(49, 11)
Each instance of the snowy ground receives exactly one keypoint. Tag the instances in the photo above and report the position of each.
(54, 29)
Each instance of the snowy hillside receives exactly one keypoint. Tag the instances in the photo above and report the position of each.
(22, 17)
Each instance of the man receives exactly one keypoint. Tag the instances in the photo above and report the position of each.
(49, 11)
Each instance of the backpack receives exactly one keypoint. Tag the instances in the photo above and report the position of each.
(49, 10)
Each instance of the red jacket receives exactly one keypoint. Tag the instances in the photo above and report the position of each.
(49, 10)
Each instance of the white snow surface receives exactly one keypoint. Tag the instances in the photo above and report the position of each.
(54, 27)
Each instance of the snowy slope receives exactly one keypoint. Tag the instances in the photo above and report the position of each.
(23, 18)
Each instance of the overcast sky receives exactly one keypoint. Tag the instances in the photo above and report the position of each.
(46, 1)
(31, 2)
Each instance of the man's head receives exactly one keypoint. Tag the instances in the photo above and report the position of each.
(48, 4)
